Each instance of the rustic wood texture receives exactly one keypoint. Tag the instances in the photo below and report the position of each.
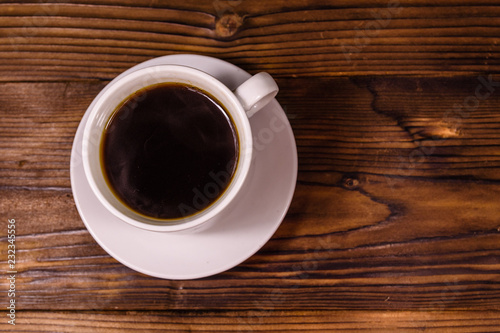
(60, 40)
(395, 223)
(385, 215)
(255, 321)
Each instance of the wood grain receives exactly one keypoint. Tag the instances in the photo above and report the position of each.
(396, 206)
(60, 40)
(393, 128)
(255, 321)
(394, 226)
(37, 128)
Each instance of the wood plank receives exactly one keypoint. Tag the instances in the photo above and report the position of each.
(99, 39)
(389, 127)
(255, 321)
(36, 143)
(371, 248)
(396, 205)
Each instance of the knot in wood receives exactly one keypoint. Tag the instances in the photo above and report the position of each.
(228, 25)
(350, 183)
(437, 132)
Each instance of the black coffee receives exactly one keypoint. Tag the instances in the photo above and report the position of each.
(169, 151)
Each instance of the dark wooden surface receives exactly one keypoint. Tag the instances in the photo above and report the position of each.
(395, 223)
(54, 40)
(263, 321)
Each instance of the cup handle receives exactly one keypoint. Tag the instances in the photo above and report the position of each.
(256, 92)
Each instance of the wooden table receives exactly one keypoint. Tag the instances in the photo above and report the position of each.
(395, 223)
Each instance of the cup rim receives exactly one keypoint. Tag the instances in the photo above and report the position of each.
(163, 74)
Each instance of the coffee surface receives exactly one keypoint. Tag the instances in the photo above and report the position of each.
(169, 151)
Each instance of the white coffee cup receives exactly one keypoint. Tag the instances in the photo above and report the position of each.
(241, 104)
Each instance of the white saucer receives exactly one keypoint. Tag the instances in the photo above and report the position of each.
(242, 228)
